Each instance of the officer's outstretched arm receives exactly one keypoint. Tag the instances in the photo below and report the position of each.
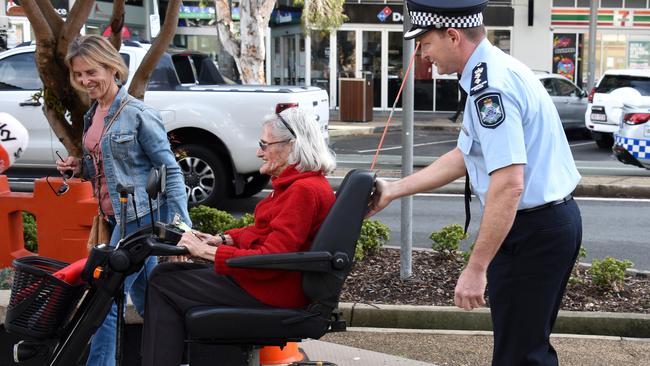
(445, 170)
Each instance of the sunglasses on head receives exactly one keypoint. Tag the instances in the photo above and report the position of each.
(293, 133)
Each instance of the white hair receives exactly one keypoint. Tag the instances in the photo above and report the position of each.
(309, 149)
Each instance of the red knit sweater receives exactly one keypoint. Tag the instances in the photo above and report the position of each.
(285, 221)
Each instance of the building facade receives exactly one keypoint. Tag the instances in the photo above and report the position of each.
(546, 35)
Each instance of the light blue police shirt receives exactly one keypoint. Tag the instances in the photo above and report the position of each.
(510, 119)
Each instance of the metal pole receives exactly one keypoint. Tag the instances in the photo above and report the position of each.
(407, 156)
(591, 67)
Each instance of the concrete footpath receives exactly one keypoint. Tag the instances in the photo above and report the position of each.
(428, 335)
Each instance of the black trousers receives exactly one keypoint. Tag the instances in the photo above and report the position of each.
(173, 289)
(526, 282)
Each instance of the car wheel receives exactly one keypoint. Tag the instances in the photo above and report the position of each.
(604, 140)
(256, 183)
(206, 179)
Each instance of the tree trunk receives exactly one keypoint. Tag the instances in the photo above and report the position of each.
(53, 36)
(159, 46)
(250, 54)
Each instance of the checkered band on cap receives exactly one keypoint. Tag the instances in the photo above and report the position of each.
(424, 19)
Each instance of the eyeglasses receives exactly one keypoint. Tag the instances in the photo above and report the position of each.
(63, 188)
(265, 145)
(293, 133)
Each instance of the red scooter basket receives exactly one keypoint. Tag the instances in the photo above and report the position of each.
(40, 302)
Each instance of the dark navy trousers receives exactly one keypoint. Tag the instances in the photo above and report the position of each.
(526, 282)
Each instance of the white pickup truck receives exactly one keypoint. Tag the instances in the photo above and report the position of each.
(216, 126)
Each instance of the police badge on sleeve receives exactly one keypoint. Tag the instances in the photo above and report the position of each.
(490, 110)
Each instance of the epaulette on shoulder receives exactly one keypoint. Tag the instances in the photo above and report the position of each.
(479, 78)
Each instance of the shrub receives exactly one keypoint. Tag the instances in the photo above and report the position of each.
(609, 273)
(210, 220)
(575, 272)
(246, 220)
(468, 253)
(29, 232)
(6, 278)
(447, 240)
(374, 234)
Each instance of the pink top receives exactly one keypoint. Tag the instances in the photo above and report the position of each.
(91, 143)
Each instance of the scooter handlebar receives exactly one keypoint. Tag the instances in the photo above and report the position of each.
(159, 249)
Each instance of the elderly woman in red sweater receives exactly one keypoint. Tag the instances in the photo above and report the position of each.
(296, 156)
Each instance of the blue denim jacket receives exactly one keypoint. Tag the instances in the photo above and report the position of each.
(134, 143)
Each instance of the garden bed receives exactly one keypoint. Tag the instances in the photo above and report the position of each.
(376, 280)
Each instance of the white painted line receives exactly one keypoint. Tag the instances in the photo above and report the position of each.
(582, 144)
(415, 145)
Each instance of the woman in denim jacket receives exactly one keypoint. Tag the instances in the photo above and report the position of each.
(123, 139)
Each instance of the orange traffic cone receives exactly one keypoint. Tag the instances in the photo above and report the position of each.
(272, 355)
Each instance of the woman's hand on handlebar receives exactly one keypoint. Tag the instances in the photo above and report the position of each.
(198, 247)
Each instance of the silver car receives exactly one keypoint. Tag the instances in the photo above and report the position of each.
(569, 99)
(632, 140)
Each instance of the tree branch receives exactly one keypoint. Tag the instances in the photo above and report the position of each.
(42, 29)
(117, 23)
(77, 17)
(225, 28)
(159, 46)
(51, 16)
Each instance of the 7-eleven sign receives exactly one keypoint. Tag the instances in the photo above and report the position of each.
(623, 18)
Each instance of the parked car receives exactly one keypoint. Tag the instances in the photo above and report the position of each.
(606, 100)
(569, 99)
(632, 139)
(215, 127)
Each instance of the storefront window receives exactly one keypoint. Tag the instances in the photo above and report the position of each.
(395, 69)
(371, 62)
(447, 94)
(500, 38)
(617, 51)
(611, 3)
(423, 89)
(346, 53)
(636, 3)
(320, 60)
(566, 3)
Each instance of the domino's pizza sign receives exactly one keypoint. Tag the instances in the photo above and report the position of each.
(370, 13)
(384, 14)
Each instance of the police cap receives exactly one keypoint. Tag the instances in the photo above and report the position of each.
(429, 14)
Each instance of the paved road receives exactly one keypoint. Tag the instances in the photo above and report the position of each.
(612, 227)
(359, 150)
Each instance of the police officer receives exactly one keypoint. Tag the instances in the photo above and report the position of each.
(513, 150)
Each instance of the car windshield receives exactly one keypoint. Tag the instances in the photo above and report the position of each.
(611, 82)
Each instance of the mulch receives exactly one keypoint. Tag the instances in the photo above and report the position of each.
(376, 280)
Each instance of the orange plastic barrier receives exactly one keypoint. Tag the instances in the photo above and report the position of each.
(272, 355)
(63, 222)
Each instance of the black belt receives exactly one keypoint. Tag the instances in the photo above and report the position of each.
(547, 205)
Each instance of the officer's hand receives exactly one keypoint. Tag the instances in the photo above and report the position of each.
(380, 197)
(470, 288)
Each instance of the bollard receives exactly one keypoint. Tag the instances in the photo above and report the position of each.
(272, 355)
(63, 222)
